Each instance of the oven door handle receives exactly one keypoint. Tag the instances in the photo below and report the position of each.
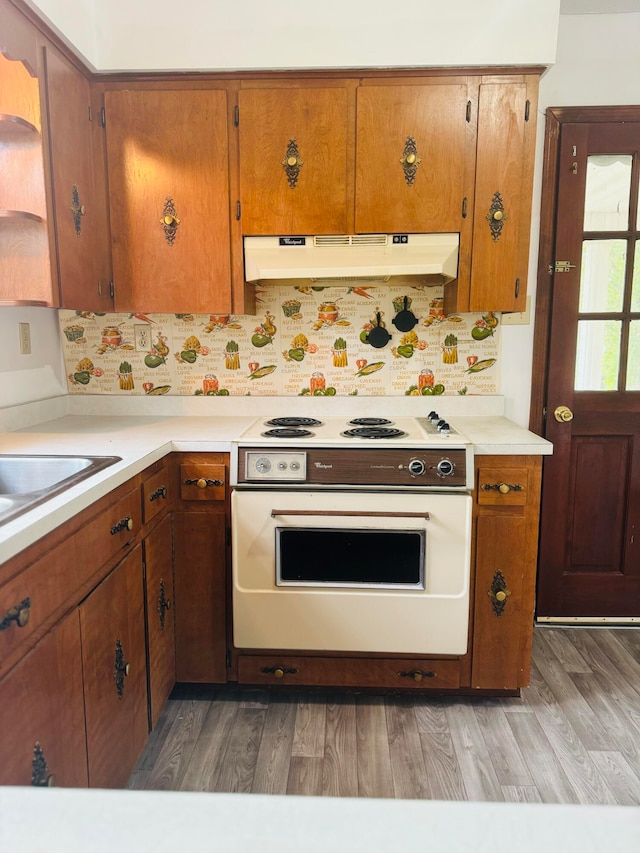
(348, 512)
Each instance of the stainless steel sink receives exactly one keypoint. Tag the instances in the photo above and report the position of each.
(26, 481)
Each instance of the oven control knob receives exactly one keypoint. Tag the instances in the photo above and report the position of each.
(433, 416)
(263, 465)
(295, 466)
(445, 468)
(443, 427)
(416, 467)
(282, 466)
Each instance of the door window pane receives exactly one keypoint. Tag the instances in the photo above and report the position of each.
(633, 364)
(635, 287)
(606, 205)
(597, 355)
(602, 275)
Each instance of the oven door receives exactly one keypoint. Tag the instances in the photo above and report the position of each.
(351, 571)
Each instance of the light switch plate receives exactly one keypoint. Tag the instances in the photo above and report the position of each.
(518, 318)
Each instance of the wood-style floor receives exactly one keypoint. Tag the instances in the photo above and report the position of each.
(572, 737)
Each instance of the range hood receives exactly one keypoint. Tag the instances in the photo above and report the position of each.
(429, 259)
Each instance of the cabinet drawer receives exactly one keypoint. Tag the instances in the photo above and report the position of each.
(503, 486)
(349, 672)
(202, 481)
(32, 600)
(155, 495)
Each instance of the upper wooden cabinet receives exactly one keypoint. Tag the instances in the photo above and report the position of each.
(167, 153)
(25, 262)
(293, 160)
(414, 157)
(78, 188)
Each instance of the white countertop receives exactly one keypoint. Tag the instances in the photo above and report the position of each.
(142, 438)
(76, 821)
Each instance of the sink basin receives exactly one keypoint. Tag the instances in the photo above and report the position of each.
(26, 481)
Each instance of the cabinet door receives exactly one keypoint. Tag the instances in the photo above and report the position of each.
(42, 713)
(158, 560)
(411, 158)
(167, 157)
(80, 216)
(502, 215)
(293, 160)
(115, 676)
(200, 579)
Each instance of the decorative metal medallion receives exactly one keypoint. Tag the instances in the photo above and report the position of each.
(77, 209)
(169, 220)
(410, 160)
(121, 669)
(292, 163)
(498, 593)
(163, 604)
(496, 217)
(40, 776)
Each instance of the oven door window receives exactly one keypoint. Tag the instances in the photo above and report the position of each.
(342, 557)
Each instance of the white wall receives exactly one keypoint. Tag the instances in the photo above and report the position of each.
(597, 63)
(75, 23)
(204, 35)
(40, 375)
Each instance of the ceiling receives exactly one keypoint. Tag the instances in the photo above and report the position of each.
(598, 7)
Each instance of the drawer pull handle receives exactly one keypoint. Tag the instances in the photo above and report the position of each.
(417, 674)
(123, 524)
(40, 776)
(498, 593)
(202, 482)
(164, 604)
(19, 614)
(121, 669)
(160, 492)
(503, 488)
(279, 671)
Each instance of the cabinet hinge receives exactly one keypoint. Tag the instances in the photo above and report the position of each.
(228, 659)
(238, 211)
(468, 110)
(544, 413)
(112, 290)
(236, 116)
(527, 109)
(103, 117)
(516, 289)
(144, 571)
(464, 207)
(90, 113)
(561, 266)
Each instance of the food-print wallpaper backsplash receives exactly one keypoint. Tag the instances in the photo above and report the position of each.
(302, 340)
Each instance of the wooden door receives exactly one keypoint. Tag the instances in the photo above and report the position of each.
(115, 674)
(412, 158)
(167, 154)
(42, 713)
(80, 215)
(502, 211)
(158, 559)
(293, 160)
(589, 547)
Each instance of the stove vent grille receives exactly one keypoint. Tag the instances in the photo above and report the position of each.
(333, 240)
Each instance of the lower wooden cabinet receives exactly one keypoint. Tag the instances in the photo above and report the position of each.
(160, 605)
(42, 740)
(114, 666)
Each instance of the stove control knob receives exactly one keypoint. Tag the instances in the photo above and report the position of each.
(416, 467)
(433, 416)
(443, 426)
(263, 465)
(295, 466)
(445, 468)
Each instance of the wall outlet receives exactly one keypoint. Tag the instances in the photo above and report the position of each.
(518, 318)
(24, 333)
(142, 337)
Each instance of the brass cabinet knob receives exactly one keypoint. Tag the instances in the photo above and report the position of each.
(497, 215)
(501, 595)
(201, 483)
(418, 676)
(19, 614)
(127, 668)
(292, 161)
(563, 414)
(504, 488)
(278, 672)
(171, 220)
(410, 158)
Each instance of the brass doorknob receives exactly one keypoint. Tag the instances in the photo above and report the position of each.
(563, 414)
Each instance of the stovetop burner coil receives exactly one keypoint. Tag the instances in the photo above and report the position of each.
(370, 422)
(293, 422)
(374, 432)
(287, 432)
